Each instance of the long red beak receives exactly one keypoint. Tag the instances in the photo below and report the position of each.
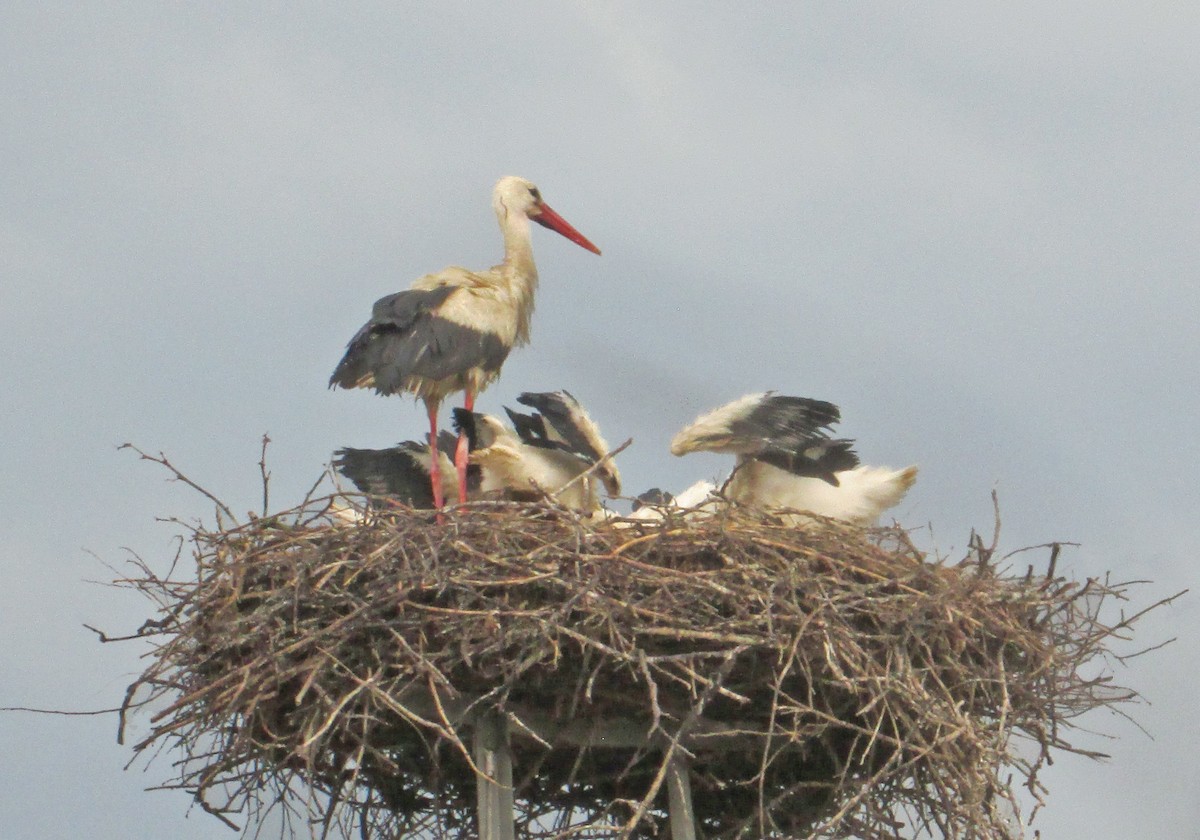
(549, 219)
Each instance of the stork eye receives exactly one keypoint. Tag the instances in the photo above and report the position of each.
(537, 196)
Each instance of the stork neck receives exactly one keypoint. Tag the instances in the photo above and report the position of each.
(518, 248)
(518, 271)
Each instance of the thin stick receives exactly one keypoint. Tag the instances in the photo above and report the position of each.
(162, 460)
(266, 476)
(592, 469)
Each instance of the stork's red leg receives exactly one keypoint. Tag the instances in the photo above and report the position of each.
(460, 451)
(435, 467)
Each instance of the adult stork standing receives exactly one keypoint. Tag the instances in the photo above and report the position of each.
(452, 330)
(787, 460)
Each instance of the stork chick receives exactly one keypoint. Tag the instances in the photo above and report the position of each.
(546, 453)
(787, 460)
(401, 473)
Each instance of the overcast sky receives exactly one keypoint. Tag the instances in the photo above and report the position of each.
(974, 230)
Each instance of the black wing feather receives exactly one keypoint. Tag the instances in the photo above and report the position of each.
(464, 423)
(654, 496)
(479, 435)
(530, 428)
(398, 473)
(780, 419)
(817, 458)
(794, 435)
(560, 409)
(406, 337)
(448, 443)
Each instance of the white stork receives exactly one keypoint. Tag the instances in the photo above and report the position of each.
(401, 473)
(545, 453)
(786, 459)
(452, 330)
(655, 502)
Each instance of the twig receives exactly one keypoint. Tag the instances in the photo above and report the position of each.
(266, 476)
(592, 469)
(161, 459)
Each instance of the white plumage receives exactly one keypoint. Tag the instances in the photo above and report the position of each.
(546, 453)
(787, 462)
(452, 330)
(861, 495)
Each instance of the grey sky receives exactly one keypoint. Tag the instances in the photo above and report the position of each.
(976, 231)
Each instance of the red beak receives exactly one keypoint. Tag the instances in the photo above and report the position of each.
(549, 219)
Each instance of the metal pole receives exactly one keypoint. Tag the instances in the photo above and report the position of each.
(494, 795)
(679, 800)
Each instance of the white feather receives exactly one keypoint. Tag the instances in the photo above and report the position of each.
(695, 500)
(509, 464)
(862, 494)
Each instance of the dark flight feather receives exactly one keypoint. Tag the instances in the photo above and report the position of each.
(783, 420)
(817, 458)
(566, 419)
(406, 337)
(399, 473)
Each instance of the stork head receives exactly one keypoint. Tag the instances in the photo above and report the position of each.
(514, 195)
(482, 430)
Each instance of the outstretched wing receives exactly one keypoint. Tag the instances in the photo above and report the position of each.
(400, 473)
(791, 433)
(782, 420)
(561, 422)
(561, 419)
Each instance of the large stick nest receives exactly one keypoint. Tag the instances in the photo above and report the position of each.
(823, 682)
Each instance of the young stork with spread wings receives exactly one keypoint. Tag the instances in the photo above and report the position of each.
(787, 460)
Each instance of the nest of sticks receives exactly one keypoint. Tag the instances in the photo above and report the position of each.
(819, 682)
